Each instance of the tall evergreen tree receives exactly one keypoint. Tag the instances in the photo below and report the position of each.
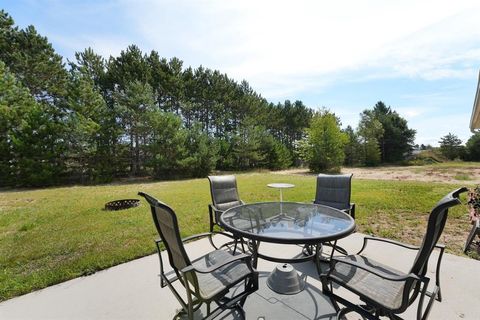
(450, 146)
(201, 153)
(246, 145)
(134, 104)
(27, 137)
(371, 131)
(167, 145)
(32, 60)
(105, 118)
(88, 137)
(473, 147)
(354, 151)
(397, 139)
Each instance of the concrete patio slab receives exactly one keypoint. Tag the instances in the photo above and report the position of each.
(131, 290)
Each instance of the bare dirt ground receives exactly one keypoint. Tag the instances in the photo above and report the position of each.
(413, 173)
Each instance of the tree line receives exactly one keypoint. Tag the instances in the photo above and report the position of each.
(94, 119)
(452, 147)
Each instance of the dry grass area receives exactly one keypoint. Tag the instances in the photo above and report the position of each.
(449, 172)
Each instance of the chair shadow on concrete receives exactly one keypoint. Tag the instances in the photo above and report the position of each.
(265, 304)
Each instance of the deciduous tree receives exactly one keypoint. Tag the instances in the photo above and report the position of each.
(323, 146)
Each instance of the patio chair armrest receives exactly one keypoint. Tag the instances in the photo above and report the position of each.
(218, 265)
(374, 271)
(212, 211)
(212, 207)
(207, 234)
(196, 236)
(157, 243)
(397, 243)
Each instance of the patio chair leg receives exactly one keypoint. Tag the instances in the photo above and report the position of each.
(241, 310)
(190, 312)
(475, 231)
(432, 299)
(329, 293)
(248, 285)
(344, 311)
(235, 243)
(307, 249)
(254, 248)
(211, 240)
(318, 253)
(212, 226)
(243, 247)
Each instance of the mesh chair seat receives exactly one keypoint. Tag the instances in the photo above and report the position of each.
(211, 284)
(384, 292)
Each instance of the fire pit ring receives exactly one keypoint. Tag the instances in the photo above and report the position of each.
(122, 204)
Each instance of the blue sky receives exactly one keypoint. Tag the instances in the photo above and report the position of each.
(420, 57)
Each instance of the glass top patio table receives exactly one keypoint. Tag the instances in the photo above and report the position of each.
(287, 222)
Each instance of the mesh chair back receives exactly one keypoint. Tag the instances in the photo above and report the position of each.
(167, 226)
(334, 190)
(224, 192)
(436, 224)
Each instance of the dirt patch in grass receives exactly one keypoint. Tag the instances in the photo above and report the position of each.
(434, 173)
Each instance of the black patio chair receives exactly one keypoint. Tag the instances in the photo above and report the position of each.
(207, 279)
(335, 191)
(385, 290)
(224, 192)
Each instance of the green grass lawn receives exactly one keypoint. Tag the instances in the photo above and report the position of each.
(52, 235)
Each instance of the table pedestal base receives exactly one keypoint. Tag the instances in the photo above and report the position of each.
(284, 279)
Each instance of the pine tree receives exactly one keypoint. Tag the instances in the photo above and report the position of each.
(27, 136)
(371, 131)
(450, 146)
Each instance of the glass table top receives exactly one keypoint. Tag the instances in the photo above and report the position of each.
(287, 222)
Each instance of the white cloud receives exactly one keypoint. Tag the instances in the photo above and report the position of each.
(274, 44)
(409, 113)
